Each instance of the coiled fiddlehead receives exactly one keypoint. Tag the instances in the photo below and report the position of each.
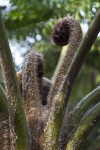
(31, 82)
(35, 90)
(67, 30)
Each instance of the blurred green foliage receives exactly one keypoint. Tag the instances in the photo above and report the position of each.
(37, 17)
(29, 18)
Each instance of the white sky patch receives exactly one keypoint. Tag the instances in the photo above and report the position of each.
(82, 13)
(17, 52)
(84, 27)
(29, 39)
(4, 2)
(38, 37)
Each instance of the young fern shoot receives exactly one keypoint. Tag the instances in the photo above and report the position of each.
(66, 31)
(35, 90)
(32, 73)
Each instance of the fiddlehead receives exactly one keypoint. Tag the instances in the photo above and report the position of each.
(31, 94)
(66, 31)
(35, 90)
(57, 98)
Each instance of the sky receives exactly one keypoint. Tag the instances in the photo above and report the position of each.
(4, 2)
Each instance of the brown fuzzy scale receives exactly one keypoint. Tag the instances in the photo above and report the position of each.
(4, 132)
